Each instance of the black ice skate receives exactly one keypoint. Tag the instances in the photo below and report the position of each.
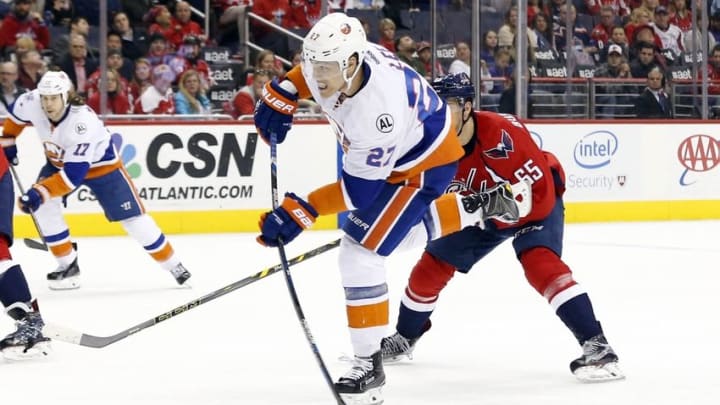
(397, 346)
(497, 203)
(65, 278)
(362, 385)
(180, 273)
(598, 363)
(27, 341)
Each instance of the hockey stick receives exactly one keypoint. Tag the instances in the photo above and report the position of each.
(288, 276)
(35, 244)
(68, 335)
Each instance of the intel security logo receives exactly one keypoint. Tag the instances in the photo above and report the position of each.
(595, 149)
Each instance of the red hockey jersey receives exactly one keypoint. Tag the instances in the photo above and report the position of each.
(503, 150)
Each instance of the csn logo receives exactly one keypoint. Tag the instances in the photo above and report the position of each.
(595, 149)
(698, 153)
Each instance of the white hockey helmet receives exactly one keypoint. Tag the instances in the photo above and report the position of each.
(55, 83)
(335, 38)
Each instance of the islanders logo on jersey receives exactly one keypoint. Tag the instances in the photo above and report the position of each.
(503, 147)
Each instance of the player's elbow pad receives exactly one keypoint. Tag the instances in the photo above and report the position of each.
(362, 192)
(75, 172)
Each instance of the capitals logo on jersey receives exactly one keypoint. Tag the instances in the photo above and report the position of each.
(503, 147)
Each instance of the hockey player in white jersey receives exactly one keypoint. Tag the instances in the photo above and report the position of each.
(401, 151)
(78, 151)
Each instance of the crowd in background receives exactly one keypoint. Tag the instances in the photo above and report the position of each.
(155, 63)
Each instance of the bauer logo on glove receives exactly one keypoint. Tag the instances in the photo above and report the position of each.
(285, 223)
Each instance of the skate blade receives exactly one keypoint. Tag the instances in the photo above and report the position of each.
(70, 283)
(597, 374)
(19, 353)
(372, 396)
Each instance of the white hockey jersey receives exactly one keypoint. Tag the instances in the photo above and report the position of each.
(79, 137)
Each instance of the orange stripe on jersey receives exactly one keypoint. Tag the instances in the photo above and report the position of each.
(11, 128)
(448, 151)
(56, 186)
(383, 224)
(367, 316)
(328, 199)
(448, 214)
(62, 249)
(163, 254)
(296, 77)
(128, 179)
(98, 171)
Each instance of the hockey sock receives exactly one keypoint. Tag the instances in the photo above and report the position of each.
(578, 315)
(143, 229)
(13, 286)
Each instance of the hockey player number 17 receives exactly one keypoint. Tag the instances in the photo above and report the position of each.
(529, 172)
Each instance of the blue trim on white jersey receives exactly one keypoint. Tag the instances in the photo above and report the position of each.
(76, 172)
(432, 128)
(362, 192)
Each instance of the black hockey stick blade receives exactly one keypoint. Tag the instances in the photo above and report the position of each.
(33, 244)
(68, 335)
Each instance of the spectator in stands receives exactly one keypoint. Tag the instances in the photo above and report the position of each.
(117, 97)
(618, 37)
(158, 52)
(461, 64)
(714, 28)
(114, 43)
(231, 21)
(644, 61)
(405, 50)
(713, 71)
(24, 44)
(159, 20)
(141, 79)
(134, 45)
(507, 32)
(582, 47)
(610, 95)
(188, 57)
(424, 52)
(387, 34)
(77, 65)
(190, 97)
(602, 31)
(266, 60)
(60, 44)
(296, 57)
(303, 14)
(617, 7)
(543, 32)
(488, 47)
(93, 82)
(135, 10)
(30, 69)
(552, 9)
(638, 17)
(275, 12)
(158, 97)
(503, 69)
(9, 90)
(22, 22)
(507, 101)
(680, 15)
(653, 102)
(60, 12)
(183, 26)
(244, 102)
(669, 34)
(90, 9)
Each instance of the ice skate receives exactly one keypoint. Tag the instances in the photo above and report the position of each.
(27, 341)
(180, 273)
(362, 385)
(598, 363)
(65, 278)
(397, 346)
(497, 203)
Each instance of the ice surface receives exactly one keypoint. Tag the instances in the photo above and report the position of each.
(495, 341)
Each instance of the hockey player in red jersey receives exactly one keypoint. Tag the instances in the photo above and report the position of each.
(499, 148)
(27, 340)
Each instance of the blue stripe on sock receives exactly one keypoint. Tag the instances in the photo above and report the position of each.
(58, 236)
(361, 293)
(155, 245)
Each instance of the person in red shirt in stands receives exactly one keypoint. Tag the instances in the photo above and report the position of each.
(247, 96)
(159, 18)
(159, 97)
(183, 26)
(117, 97)
(22, 22)
(303, 13)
